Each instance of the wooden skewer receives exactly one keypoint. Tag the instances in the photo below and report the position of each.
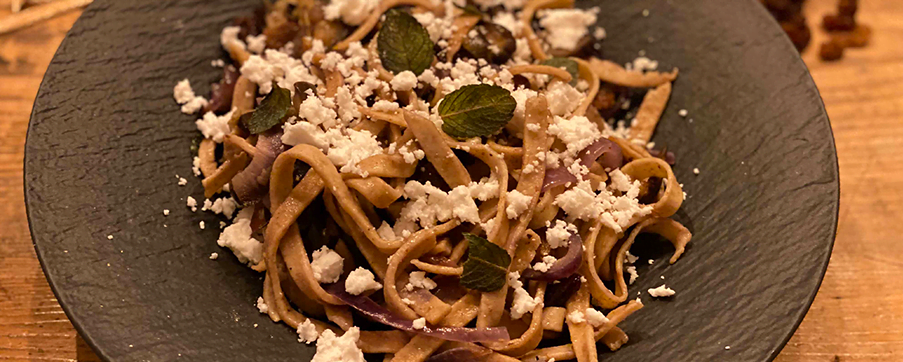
(32, 15)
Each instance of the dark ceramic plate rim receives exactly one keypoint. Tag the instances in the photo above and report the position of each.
(101, 352)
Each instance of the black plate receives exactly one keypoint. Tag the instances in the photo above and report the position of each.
(106, 140)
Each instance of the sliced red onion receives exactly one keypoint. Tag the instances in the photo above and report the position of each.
(564, 267)
(221, 93)
(556, 177)
(669, 156)
(461, 354)
(604, 151)
(250, 185)
(378, 313)
(557, 294)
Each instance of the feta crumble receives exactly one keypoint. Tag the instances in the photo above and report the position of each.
(326, 265)
(404, 81)
(565, 27)
(214, 256)
(661, 292)
(214, 127)
(237, 237)
(307, 332)
(576, 317)
(418, 279)
(262, 306)
(595, 317)
(517, 203)
(361, 280)
(559, 235)
(419, 323)
(339, 349)
(522, 303)
(546, 264)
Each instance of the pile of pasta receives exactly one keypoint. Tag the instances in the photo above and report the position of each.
(307, 197)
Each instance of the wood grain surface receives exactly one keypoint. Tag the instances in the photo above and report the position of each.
(857, 315)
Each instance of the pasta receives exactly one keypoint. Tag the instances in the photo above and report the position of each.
(439, 168)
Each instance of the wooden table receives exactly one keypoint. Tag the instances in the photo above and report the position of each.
(857, 316)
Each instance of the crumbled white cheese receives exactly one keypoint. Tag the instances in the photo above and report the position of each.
(352, 12)
(192, 203)
(385, 106)
(619, 181)
(429, 204)
(386, 232)
(275, 66)
(361, 280)
(182, 92)
(615, 212)
(262, 306)
(559, 235)
(522, 303)
(165, 212)
(546, 264)
(418, 279)
(631, 270)
(194, 105)
(630, 258)
(110, 237)
(514, 280)
(214, 256)
(353, 147)
(229, 37)
(683, 112)
(185, 96)
(579, 202)
(509, 21)
(217, 63)
(404, 81)
(576, 317)
(599, 33)
(307, 332)
(202, 225)
(576, 132)
(517, 203)
(196, 166)
(695, 171)
(419, 323)
(215, 127)
(225, 206)
(257, 43)
(563, 98)
(238, 238)
(595, 317)
(182, 181)
(565, 27)
(326, 265)
(339, 349)
(661, 292)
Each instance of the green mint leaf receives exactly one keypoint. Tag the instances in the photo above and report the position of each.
(476, 110)
(403, 44)
(271, 112)
(568, 65)
(486, 268)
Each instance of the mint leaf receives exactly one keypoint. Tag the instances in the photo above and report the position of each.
(486, 268)
(568, 65)
(403, 44)
(272, 111)
(476, 110)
